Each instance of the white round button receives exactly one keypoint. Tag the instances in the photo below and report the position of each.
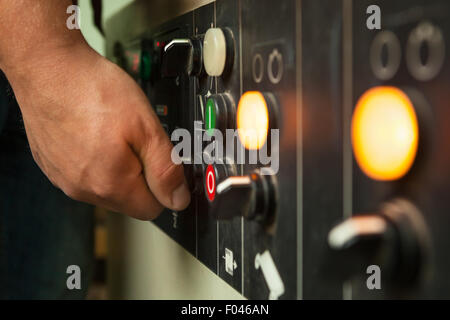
(214, 52)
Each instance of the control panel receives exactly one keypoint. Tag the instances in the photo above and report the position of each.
(313, 136)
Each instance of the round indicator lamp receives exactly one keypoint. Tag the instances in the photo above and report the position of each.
(385, 133)
(253, 120)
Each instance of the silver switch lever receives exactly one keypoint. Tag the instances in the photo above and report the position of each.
(182, 57)
(252, 196)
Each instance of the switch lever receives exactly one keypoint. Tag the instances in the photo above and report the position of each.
(252, 196)
(182, 57)
(359, 242)
(232, 191)
(395, 239)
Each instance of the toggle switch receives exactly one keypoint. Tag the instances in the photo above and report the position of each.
(220, 113)
(395, 239)
(252, 196)
(218, 51)
(182, 57)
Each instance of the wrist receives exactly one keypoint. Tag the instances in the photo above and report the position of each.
(29, 28)
(34, 57)
(55, 67)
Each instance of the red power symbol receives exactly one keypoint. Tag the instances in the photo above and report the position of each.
(210, 183)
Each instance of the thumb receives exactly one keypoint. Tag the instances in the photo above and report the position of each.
(165, 179)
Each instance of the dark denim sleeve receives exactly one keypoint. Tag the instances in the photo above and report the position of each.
(42, 231)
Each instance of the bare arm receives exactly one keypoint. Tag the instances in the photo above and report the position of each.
(90, 127)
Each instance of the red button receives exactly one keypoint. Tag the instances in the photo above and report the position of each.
(210, 183)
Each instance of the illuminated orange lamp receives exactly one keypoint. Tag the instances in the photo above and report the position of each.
(253, 120)
(385, 133)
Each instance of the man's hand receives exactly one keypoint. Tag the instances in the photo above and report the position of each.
(92, 131)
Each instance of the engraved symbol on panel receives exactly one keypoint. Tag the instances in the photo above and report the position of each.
(230, 263)
(385, 55)
(175, 220)
(265, 262)
(428, 37)
(275, 68)
(257, 68)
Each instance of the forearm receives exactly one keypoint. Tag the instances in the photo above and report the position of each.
(31, 30)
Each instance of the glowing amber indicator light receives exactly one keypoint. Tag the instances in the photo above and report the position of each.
(253, 120)
(385, 133)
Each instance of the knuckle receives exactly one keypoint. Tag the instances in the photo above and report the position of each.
(168, 172)
(149, 214)
(96, 181)
(155, 136)
(53, 181)
(104, 190)
(72, 192)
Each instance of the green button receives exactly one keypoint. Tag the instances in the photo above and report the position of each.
(145, 69)
(210, 116)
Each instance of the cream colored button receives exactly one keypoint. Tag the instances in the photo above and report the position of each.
(214, 52)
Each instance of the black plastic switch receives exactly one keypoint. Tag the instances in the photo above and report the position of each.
(252, 196)
(395, 239)
(182, 57)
